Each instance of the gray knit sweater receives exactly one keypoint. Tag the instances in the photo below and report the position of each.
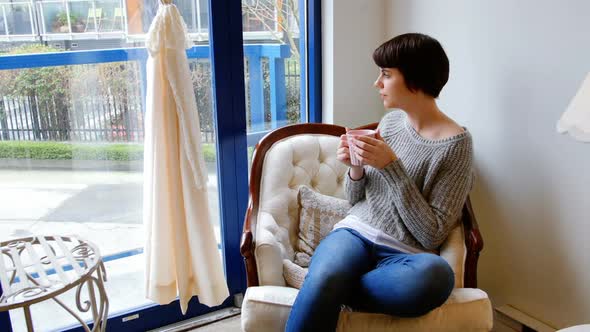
(418, 198)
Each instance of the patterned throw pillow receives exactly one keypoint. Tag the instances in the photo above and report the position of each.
(317, 216)
(293, 273)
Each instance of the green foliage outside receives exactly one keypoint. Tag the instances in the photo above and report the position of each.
(45, 82)
(59, 95)
(68, 151)
(209, 153)
(62, 18)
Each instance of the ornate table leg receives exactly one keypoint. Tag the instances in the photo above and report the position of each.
(28, 319)
(100, 319)
(99, 305)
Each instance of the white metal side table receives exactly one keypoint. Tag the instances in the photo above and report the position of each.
(40, 268)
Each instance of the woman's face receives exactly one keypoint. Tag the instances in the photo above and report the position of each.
(392, 88)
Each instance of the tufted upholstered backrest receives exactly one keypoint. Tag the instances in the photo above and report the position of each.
(307, 159)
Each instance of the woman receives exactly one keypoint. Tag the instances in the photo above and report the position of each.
(406, 199)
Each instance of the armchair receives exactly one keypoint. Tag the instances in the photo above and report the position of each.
(306, 154)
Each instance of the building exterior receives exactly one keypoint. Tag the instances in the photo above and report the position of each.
(100, 24)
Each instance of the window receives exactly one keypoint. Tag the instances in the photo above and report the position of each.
(71, 126)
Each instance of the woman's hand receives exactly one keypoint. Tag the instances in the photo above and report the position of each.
(374, 152)
(343, 155)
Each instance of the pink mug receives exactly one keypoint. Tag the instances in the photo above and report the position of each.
(350, 135)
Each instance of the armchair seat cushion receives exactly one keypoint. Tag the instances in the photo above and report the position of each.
(267, 308)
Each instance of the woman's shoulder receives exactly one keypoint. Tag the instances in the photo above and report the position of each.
(450, 129)
(458, 148)
(391, 123)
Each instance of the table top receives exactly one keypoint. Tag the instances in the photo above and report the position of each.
(577, 328)
(36, 268)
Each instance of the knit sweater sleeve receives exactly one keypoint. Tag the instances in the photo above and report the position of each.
(430, 219)
(355, 189)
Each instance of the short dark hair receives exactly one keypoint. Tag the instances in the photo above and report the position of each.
(420, 58)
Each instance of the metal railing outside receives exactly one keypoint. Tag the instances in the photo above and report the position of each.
(50, 20)
(98, 113)
(82, 19)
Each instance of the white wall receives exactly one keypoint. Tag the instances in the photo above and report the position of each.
(514, 67)
(351, 30)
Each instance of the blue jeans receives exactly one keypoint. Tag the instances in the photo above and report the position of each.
(346, 268)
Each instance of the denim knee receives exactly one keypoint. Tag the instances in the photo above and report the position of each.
(442, 272)
(327, 282)
(436, 286)
(428, 286)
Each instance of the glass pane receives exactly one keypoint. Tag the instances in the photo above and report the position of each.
(203, 15)
(81, 16)
(71, 143)
(54, 17)
(194, 12)
(18, 19)
(84, 17)
(188, 11)
(112, 16)
(3, 20)
(97, 16)
(272, 65)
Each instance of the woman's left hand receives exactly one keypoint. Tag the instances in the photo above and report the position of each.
(374, 152)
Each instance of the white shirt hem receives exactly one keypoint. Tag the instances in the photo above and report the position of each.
(374, 235)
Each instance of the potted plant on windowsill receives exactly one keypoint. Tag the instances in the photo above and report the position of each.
(60, 23)
(78, 26)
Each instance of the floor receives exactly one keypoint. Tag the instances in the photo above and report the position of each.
(231, 324)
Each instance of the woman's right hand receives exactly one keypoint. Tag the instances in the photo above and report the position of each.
(342, 153)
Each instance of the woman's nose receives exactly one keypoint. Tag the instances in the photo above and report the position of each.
(377, 83)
